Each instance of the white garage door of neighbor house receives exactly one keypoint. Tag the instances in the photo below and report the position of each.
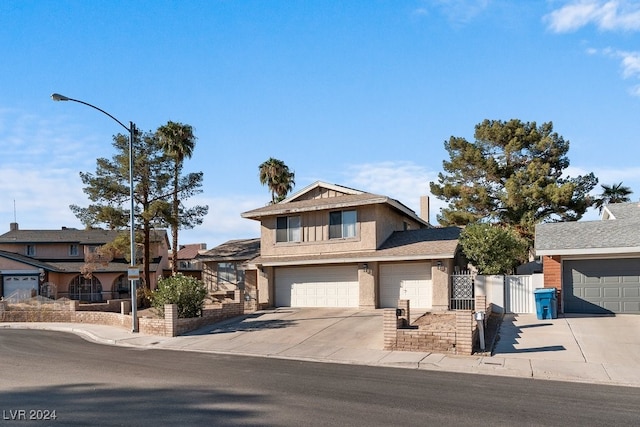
(410, 281)
(26, 285)
(335, 286)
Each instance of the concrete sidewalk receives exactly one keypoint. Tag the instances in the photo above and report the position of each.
(565, 349)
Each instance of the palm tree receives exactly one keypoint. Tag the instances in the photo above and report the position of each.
(616, 193)
(177, 141)
(277, 176)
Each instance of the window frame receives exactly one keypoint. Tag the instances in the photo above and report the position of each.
(287, 230)
(231, 273)
(340, 227)
(74, 249)
(30, 250)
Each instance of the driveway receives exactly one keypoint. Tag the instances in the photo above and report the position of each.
(612, 342)
(294, 332)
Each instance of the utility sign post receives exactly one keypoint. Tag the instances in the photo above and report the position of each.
(134, 274)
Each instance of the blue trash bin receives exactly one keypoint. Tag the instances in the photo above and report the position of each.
(546, 303)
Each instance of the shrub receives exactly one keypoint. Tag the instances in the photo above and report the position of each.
(493, 249)
(187, 292)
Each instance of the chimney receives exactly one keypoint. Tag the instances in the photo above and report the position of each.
(424, 208)
(13, 226)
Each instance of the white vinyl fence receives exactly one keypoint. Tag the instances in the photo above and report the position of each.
(510, 294)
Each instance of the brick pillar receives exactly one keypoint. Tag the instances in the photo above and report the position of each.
(171, 320)
(481, 303)
(389, 328)
(464, 332)
(403, 305)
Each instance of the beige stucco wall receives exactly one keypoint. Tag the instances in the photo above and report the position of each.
(368, 282)
(440, 280)
(375, 224)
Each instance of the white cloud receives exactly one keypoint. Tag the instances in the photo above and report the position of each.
(223, 222)
(403, 181)
(611, 15)
(629, 62)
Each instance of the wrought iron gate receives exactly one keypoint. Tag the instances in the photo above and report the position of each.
(462, 295)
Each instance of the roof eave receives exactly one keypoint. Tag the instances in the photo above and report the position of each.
(587, 251)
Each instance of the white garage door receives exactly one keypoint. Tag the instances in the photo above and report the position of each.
(20, 287)
(410, 281)
(332, 286)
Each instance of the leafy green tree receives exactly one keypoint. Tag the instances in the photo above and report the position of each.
(512, 174)
(493, 249)
(178, 142)
(616, 193)
(276, 175)
(187, 292)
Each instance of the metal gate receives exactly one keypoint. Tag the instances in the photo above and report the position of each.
(462, 296)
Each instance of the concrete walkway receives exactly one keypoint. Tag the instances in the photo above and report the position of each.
(601, 349)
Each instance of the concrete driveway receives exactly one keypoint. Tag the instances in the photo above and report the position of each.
(295, 332)
(610, 343)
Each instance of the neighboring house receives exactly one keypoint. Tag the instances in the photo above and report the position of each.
(595, 264)
(333, 246)
(229, 266)
(64, 264)
(188, 264)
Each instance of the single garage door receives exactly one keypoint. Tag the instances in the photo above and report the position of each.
(410, 281)
(602, 286)
(331, 286)
(20, 287)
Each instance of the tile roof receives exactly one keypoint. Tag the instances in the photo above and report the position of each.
(420, 244)
(623, 210)
(618, 234)
(347, 198)
(69, 235)
(28, 260)
(233, 250)
(190, 251)
(345, 201)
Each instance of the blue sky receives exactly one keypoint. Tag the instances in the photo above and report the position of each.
(357, 93)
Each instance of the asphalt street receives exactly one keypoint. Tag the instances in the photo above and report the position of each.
(92, 384)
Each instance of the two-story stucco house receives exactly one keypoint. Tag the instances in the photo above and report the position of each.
(333, 246)
(62, 264)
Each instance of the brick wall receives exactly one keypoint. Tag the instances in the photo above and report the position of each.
(552, 268)
(552, 272)
(170, 325)
(459, 340)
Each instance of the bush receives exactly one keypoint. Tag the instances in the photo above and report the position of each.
(187, 292)
(493, 249)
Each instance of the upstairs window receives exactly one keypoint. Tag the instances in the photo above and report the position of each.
(288, 229)
(31, 250)
(73, 250)
(342, 224)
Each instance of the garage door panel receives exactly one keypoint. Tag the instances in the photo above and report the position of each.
(602, 286)
(410, 281)
(631, 292)
(331, 286)
(631, 307)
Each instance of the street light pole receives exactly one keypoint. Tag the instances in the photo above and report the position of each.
(132, 273)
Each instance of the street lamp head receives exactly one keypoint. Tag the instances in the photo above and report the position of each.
(58, 97)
